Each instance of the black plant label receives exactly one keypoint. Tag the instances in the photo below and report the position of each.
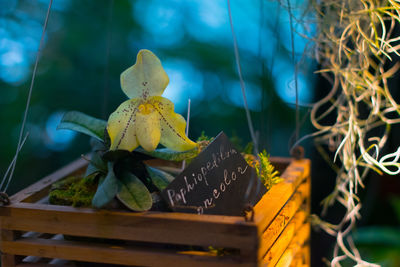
(218, 181)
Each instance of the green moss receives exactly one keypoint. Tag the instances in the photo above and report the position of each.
(74, 191)
(204, 137)
(265, 170)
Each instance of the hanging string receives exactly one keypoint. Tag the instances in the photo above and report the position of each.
(11, 165)
(295, 151)
(250, 193)
(242, 85)
(264, 122)
(106, 87)
(187, 129)
(188, 118)
(21, 140)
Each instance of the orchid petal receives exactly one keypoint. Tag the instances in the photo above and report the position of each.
(148, 130)
(146, 78)
(172, 125)
(121, 126)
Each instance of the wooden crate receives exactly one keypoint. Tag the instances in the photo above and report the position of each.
(32, 231)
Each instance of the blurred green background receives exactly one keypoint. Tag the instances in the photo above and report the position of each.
(89, 43)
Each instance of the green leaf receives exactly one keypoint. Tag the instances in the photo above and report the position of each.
(107, 189)
(98, 145)
(96, 164)
(159, 178)
(134, 194)
(168, 154)
(80, 122)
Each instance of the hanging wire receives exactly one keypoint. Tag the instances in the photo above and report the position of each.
(242, 84)
(297, 131)
(188, 118)
(12, 164)
(249, 195)
(21, 140)
(264, 123)
(187, 129)
(106, 87)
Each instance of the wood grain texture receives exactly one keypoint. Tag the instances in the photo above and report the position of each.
(273, 201)
(102, 253)
(189, 229)
(306, 253)
(45, 265)
(295, 251)
(282, 243)
(7, 259)
(269, 236)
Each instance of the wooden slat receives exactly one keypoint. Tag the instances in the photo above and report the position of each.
(56, 264)
(273, 201)
(306, 252)
(48, 263)
(278, 248)
(7, 259)
(280, 163)
(269, 236)
(298, 260)
(295, 247)
(40, 189)
(302, 258)
(103, 253)
(157, 227)
(39, 260)
(42, 265)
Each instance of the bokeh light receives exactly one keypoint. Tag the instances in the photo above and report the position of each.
(54, 139)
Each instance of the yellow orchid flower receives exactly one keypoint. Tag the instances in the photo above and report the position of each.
(147, 118)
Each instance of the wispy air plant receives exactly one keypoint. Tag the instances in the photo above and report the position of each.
(355, 47)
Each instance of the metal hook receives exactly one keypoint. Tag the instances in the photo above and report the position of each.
(4, 199)
(249, 213)
(297, 152)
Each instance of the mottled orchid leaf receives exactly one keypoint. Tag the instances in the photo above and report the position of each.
(80, 122)
(107, 189)
(134, 194)
(146, 78)
(160, 179)
(168, 154)
(96, 164)
(98, 145)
